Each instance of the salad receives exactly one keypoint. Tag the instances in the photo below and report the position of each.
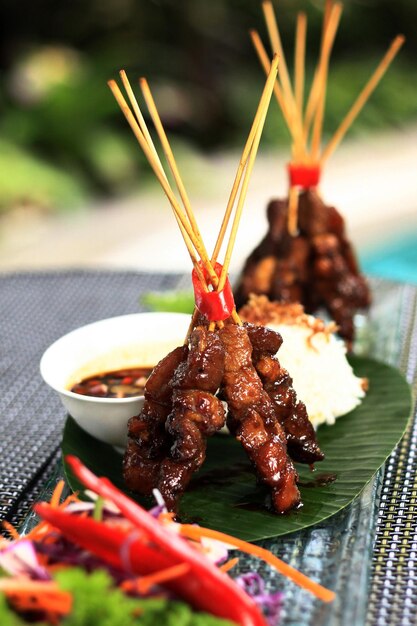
(108, 561)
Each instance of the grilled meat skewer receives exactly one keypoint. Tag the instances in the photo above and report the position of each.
(252, 419)
(292, 414)
(196, 413)
(147, 438)
(317, 267)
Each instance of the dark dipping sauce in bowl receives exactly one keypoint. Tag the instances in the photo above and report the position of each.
(124, 383)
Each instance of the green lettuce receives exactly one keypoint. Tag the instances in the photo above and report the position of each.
(96, 601)
(169, 301)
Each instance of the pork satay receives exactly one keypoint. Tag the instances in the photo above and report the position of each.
(195, 416)
(301, 437)
(317, 267)
(196, 413)
(341, 290)
(147, 438)
(253, 420)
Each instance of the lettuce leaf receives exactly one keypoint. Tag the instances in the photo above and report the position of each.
(96, 601)
(169, 301)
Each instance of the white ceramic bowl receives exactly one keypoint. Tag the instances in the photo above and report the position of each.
(138, 340)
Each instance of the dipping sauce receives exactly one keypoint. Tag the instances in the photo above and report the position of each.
(124, 383)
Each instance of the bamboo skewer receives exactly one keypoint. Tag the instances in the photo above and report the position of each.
(293, 211)
(314, 91)
(139, 116)
(186, 221)
(265, 62)
(301, 126)
(294, 129)
(160, 174)
(264, 100)
(188, 235)
(329, 37)
(147, 136)
(299, 62)
(311, 104)
(276, 45)
(177, 177)
(327, 10)
(261, 113)
(245, 165)
(363, 97)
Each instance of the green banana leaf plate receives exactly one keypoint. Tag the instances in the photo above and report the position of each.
(224, 494)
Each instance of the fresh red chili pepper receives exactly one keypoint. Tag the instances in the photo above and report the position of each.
(208, 588)
(126, 550)
(304, 176)
(214, 305)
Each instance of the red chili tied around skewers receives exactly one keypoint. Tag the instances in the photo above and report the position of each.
(304, 176)
(154, 548)
(216, 306)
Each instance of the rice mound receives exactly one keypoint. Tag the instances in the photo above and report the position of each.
(314, 357)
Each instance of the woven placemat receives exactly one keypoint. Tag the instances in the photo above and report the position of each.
(393, 587)
(37, 308)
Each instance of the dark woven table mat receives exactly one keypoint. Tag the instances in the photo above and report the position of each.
(393, 587)
(37, 308)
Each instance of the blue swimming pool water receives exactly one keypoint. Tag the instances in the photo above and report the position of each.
(395, 259)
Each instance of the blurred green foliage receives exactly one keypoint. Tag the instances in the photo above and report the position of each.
(63, 139)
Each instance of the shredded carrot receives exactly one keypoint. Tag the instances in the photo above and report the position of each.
(144, 583)
(229, 564)
(42, 527)
(166, 517)
(39, 530)
(73, 497)
(57, 493)
(10, 529)
(193, 532)
(54, 602)
(26, 594)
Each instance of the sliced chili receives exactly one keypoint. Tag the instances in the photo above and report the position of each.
(216, 306)
(205, 587)
(304, 176)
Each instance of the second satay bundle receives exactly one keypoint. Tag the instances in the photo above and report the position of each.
(306, 255)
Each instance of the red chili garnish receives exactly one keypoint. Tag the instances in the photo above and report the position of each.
(214, 305)
(304, 176)
(151, 546)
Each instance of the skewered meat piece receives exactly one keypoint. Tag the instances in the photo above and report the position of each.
(167, 440)
(341, 290)
(252, 419)
(301, 436)
(196, 413)
(317, 267)
(147, 438)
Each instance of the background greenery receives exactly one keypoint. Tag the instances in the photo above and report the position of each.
(62, 137)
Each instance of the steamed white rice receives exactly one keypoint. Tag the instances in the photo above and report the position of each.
(322, 376)
(314, 357)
